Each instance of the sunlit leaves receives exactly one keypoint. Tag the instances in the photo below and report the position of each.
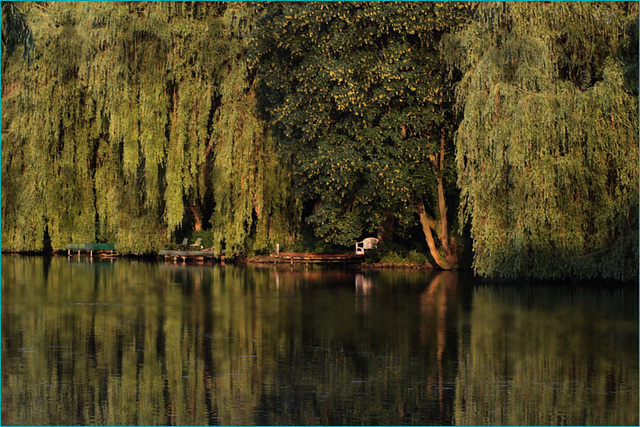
(111, 123)
(359, 94)
(547, 152)
(133, 116)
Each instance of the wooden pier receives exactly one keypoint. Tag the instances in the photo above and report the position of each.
(315, 258)
(101, 249)
(186, 256)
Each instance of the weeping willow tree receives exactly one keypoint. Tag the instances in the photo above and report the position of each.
(251, 183)
(113, 134)
(547, 151)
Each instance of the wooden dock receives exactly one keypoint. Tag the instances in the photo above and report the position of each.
(101, 249)
(315, 258)
(191, 255)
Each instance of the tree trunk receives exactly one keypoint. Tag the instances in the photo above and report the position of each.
(444, 232)
(385, 231)
(427, 224)
(197, 218)
(449, 248)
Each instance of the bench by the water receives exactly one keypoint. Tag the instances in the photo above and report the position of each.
(90, 247)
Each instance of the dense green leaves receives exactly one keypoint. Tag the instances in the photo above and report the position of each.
(547, 152)
(122, 126)
(359, 96)
(140, 122)
(104, 114)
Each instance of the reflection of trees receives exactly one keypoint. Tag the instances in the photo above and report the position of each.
(540, 356)
(136, 343)
(385, 362)
(434, 304)
(128, 343)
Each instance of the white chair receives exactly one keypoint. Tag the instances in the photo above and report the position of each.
(365, 245)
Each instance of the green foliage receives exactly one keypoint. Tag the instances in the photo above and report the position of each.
(547, 152)
(309, 242)
(396, 254)
(416, 257)
(16, 32)
(358, 95)
(131, 115)
(134, 116)
(250, 181)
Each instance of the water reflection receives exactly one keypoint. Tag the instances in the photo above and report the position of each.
(540, 356)
(129, 343)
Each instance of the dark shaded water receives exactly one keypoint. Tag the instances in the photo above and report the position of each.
(134, 343)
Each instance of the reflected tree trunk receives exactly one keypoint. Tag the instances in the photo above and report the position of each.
(433, 308)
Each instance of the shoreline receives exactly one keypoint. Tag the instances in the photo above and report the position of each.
(268, 261)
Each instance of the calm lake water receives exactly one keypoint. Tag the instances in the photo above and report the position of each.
(138, 343)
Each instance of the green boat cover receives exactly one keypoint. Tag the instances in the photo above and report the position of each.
(91, 246)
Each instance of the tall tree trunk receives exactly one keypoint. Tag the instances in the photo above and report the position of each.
(449, 248)
(427, 224)
(444, 232)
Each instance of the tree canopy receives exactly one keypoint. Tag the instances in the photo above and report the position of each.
(547, 150)
(141, 123)
(360, 98)
(131, 124)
